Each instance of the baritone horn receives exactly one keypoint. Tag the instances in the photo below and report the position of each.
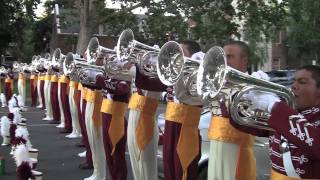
(80, 69)
(214, 76)
(57, 59)
(136, 52)
(172, 64)
(128, 47)
(95, 50)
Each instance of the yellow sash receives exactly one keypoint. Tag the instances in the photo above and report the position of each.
(117, 110)
(63, 79)
(221, 130)
(73, 84)
(96, 98)
(80, 87)
(144, 129)
(22, 78)
(54, 78)
(9, 80)
(47, 77)
(84, 93)
(188, 143)
(278, 176)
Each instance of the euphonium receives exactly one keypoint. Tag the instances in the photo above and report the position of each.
(214, 75)
(95, 50)
(80, 69)
(128, 47)
(47, 61)
(138, 53)
(3, 71)
(57, 59)
(172, 65)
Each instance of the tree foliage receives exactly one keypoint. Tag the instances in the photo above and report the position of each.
(303, 31)
(15, 23)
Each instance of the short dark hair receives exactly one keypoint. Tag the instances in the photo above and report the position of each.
(192, 46)
(244, 47)
(315, 71)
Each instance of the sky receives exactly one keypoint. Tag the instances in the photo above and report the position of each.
(40, 9)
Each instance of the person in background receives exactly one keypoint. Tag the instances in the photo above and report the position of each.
(231, 153)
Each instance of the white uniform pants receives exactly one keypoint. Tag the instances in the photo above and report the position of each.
(223, 159)
(62, 120)
(144, 168)
(39, 93)
(74, 114)
(47, 98)
(96, 144)
(22, 91)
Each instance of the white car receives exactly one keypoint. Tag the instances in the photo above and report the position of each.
(261, 150)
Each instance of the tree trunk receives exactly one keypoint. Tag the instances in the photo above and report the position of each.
(88, 23)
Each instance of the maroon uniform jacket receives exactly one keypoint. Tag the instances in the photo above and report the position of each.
(302, 132)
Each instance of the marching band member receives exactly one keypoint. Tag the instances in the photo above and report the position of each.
(40, 90)
(181, 140)
(87, 153)
(74, 100)
(47, 96)
(33, 88)
(94, 130)
(61, 79)
(116, 94)
(64, 102)
(8, 85)
(54, 97)
(22, 86)
(231, 154)
(142, 132)
(295, 142)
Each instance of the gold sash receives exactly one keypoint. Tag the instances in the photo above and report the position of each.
(278, 176)
(117, 111)
(188, 143)
(54, 78)
(145, 126)
(221, 130)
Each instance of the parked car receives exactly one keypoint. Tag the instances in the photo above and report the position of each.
(283, 77)
(261, 149)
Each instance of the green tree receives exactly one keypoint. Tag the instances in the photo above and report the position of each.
(15, 23)
(303, 31)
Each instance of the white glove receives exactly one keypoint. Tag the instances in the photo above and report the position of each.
(263, 101)
(260, 75)
(198, 56)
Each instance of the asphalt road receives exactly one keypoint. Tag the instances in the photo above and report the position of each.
(57, 157)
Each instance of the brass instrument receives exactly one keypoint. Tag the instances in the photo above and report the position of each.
(214, 76)
(57, 60)
(46, 61)
(3, 71)
(80, 69)
(138, 53)
(127, 47)
(95, 50)
(172, 65)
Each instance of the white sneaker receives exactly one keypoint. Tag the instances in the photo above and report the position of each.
(61, 125)
(47, 118)
(74, 135)
(92, 177)
(39, 106)
(83, 154)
